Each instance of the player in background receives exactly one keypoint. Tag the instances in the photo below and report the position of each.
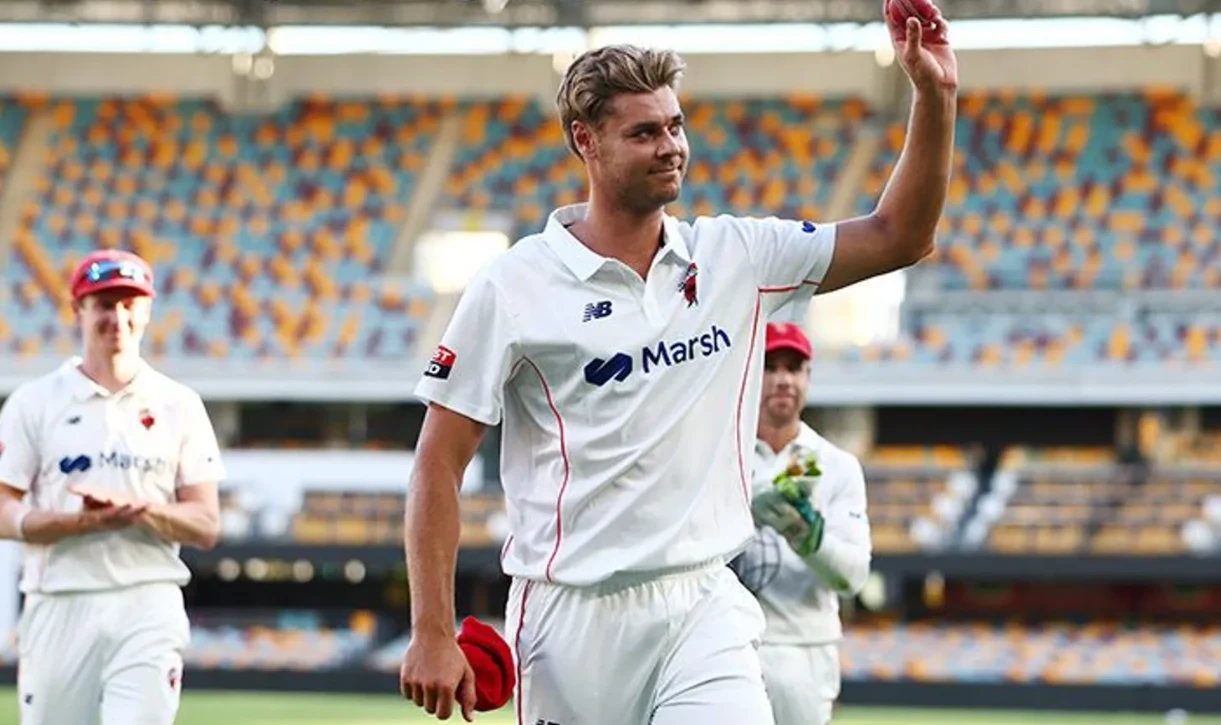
(621, 350)
(799, 565)
(106, 467)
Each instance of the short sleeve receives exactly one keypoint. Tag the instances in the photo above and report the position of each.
(200, 459)
(789, 257)
(469, 369)
(19, 459)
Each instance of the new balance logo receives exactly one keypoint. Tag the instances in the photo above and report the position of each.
(596, 310)
(80, 464)
(600, 372)
(74, 420)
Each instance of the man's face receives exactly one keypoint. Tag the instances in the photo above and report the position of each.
(786, 378)
(638, 155)
(113, 321)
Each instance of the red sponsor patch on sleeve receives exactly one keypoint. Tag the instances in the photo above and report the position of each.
(441, 364)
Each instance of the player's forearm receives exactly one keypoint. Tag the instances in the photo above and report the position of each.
(39, 527)
(912, 203)
(193, 523)
(841, 562)
(432, 530)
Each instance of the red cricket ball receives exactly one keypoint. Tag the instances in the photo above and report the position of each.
(934, 26)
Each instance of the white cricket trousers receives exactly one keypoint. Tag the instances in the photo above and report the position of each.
(102, 658)
(803, 681)
(678, 649)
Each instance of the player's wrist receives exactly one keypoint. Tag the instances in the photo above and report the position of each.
(429, 630)
(15, 514)
(934, 98)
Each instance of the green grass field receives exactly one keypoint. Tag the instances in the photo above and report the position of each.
(212, 708)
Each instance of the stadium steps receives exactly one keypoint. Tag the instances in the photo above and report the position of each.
(849, 186)
(28, 162)
(985, 472)
(429, 188)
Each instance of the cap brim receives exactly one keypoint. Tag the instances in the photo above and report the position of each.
(788, 346)
(136, 289)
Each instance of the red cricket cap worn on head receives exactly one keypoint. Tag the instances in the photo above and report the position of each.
(492, 660)
(788, 336)
(112, 269)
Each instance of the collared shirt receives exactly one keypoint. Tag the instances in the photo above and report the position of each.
(628, 404)
(800, 597)
(145, 442)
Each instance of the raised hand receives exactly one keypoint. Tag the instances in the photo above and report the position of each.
(921, 40)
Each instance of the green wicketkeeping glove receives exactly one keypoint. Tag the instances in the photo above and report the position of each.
(786, 508)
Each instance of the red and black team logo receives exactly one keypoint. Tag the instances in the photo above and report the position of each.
(687, 285)
(175, 679)
(441, 363)
(146, 418)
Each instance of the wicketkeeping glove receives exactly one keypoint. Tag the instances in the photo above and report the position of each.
(786, 508)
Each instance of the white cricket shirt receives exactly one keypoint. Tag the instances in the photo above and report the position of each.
(800, 597)
(628, 405)
(145, 441)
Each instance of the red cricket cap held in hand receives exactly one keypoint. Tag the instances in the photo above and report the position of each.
(788, 336)
(492, 660)
(112, 269)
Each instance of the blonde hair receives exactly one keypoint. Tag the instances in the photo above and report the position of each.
(598, 75)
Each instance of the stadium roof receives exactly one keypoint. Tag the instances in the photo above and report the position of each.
(543, 13)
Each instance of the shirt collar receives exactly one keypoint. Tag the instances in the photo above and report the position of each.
(806, 440)
(83, 387)
(583, 261)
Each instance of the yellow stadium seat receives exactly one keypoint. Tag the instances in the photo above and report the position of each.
(1120, 344)
(308, 529)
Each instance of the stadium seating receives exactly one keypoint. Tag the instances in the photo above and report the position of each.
(295, 641)
(756, 157)
(13, 114)
(1077, 192)
(512, 157)
(768, 157)
(1047, 340)
(270, 234)
(1082, 500)
(1054, 653)
(368, 519)
(917, 496)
